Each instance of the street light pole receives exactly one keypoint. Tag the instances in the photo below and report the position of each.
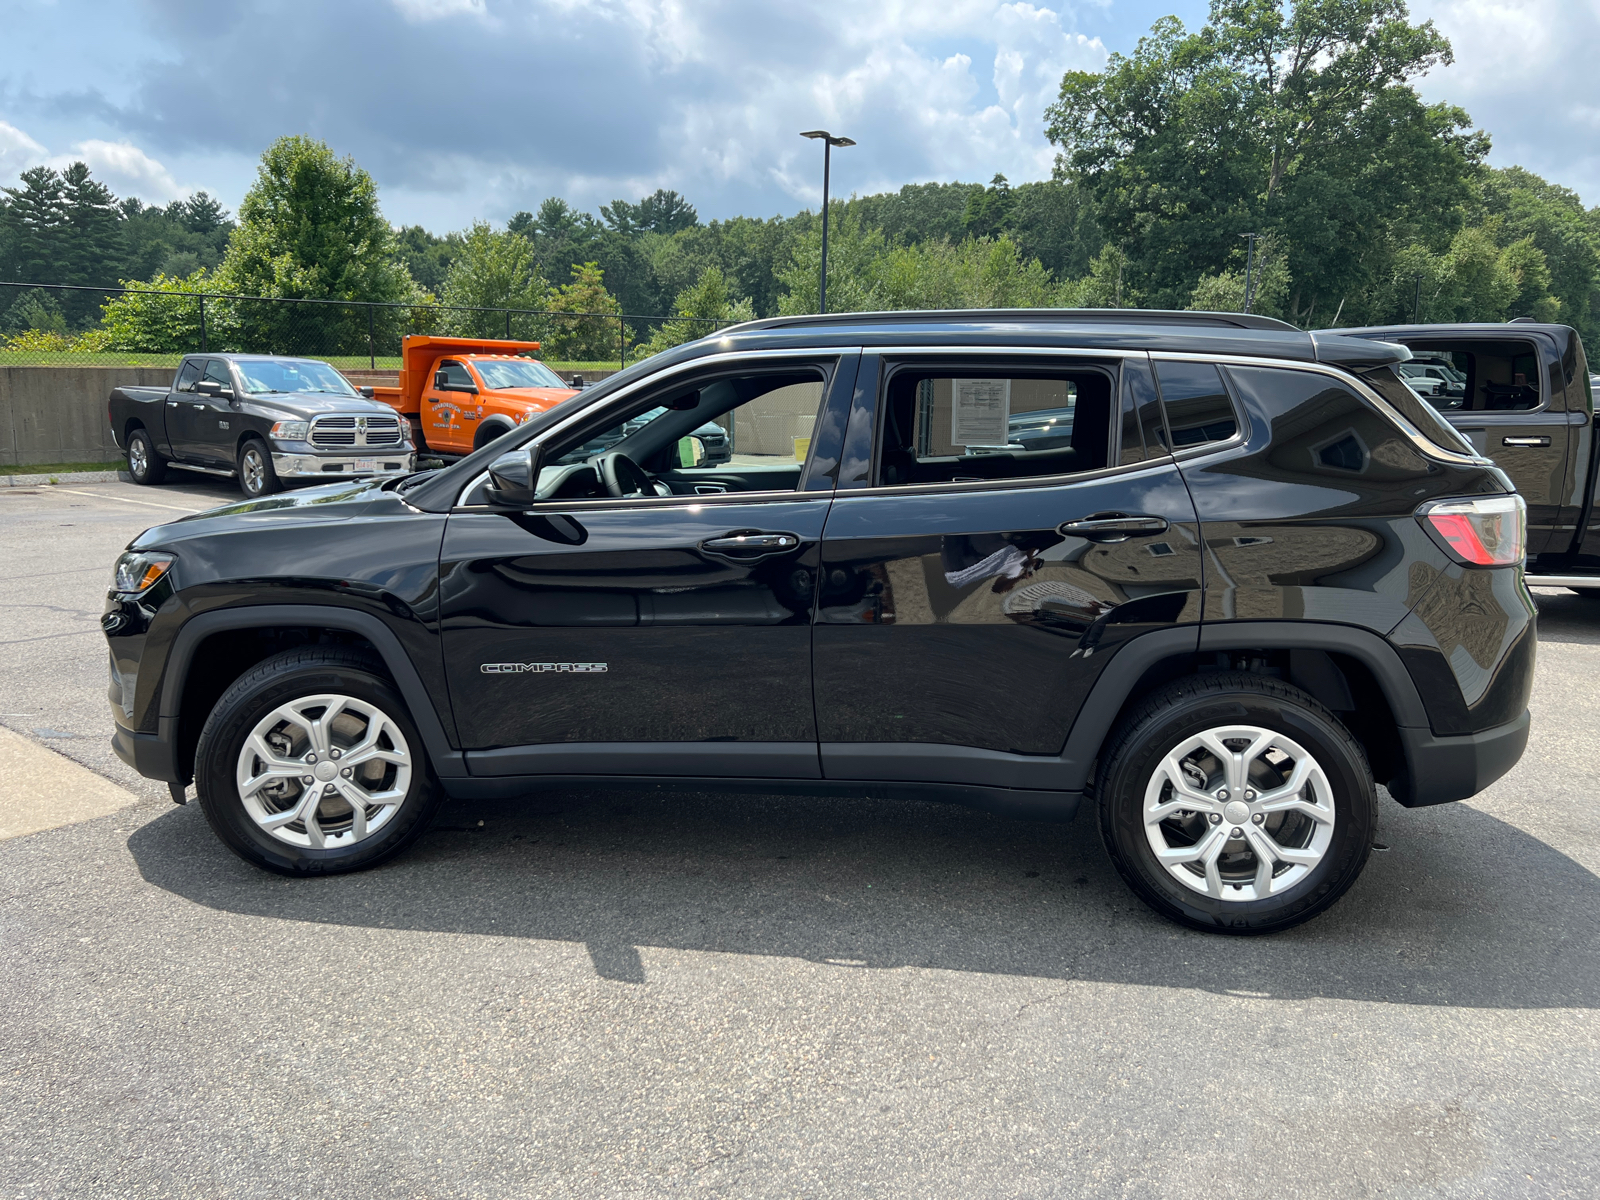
(1249, 264)
(828, 143)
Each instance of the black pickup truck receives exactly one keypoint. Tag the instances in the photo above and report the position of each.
(264, 420)
(1528, 403)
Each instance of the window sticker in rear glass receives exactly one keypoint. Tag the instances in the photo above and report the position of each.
(982, 412)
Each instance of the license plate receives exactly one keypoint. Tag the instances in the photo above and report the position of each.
(365, 464)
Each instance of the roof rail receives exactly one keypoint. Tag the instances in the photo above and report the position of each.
(1063, 316)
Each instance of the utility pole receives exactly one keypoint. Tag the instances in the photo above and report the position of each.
(828, 143)
(1416, 302)
(1249, 269)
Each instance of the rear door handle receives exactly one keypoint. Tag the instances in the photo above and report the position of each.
(750, 543)
(1114, 527)
(1524, 441)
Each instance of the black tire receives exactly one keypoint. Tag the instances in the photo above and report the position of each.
(145, 466)
(257, 477)
(1187, 708)
(309, 671)
(487, 432)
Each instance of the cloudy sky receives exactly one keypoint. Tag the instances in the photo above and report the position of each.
(477, 108)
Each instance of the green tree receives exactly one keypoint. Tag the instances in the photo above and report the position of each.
(310, 227)
(158, 319)
(1297, 121)
(35, 216)
(493, 271)
(699, 310)
(595, 334)
(988, 212)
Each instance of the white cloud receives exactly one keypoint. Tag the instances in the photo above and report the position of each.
(1522, 70)
(125, 169)
(18, 151)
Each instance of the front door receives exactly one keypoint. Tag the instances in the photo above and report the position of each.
(449, 412)
(660, 631)
(998, 558)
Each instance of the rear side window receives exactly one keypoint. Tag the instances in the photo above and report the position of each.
(992, 422)
(1199, 409)
(188, 375)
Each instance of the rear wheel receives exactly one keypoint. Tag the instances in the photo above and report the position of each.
(1236, 804)
(256, 474)
(310, 764)
(145, 466)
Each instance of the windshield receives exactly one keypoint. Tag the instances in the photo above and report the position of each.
(291, 375)
(516, 373)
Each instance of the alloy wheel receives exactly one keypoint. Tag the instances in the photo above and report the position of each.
(324, 771)
(1238, 813)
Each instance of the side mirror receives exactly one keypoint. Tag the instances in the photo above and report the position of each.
(208, 387)
(691, 452)
(577, 382)
(439, 383)
(514, 478)
(365, 391)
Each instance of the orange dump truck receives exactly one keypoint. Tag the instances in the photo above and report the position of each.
(462, 393)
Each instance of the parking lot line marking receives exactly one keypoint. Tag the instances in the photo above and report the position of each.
(125, 500)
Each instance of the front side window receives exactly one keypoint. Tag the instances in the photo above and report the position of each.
(746, 432)
(455, 375)
(989, 422)
(516, 373)
(217, 372)
(1199, 409)
(291, 375)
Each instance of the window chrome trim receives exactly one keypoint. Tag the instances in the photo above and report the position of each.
(1420, 441)
(622, 395)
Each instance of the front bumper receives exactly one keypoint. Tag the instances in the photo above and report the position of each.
(371, 460)
(1442, 769)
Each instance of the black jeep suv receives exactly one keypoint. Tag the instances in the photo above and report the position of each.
(1258, 575)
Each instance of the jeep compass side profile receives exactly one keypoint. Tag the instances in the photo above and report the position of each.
(1248, 577)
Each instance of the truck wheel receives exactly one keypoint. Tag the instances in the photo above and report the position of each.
(487, 433)
(145, 466)
(311, 765)
(256, 476)
(1236, 804)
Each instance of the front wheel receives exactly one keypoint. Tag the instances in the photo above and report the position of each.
(310, 764)
(256, 475)
(1236, 804)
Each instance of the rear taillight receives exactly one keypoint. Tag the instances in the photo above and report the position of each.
(1490, 531)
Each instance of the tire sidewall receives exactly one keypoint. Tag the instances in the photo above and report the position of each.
(149, 457)
(1122, 803)
(269, 480)
(223, 739)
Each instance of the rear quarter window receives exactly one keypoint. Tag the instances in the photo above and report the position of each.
(1199, 409)
(1413, 408)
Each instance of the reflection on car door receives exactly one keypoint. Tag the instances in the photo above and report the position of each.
(213, 421)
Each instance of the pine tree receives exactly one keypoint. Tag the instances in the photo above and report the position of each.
(91, 235)
(35, 212)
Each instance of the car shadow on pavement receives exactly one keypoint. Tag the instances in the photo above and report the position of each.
(1458, 909)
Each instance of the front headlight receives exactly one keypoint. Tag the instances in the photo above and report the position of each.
(405, 429)
(138, 571)
(291, 431)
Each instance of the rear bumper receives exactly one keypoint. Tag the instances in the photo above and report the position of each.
(1442, 769)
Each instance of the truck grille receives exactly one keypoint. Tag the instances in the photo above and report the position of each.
(355, 431)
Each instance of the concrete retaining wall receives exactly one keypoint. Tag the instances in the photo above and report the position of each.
(58, 414)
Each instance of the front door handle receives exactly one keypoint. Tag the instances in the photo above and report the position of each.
(750, 543)
(1113, 527)
(1524, 441)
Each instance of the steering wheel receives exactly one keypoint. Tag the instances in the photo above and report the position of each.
(621, 476)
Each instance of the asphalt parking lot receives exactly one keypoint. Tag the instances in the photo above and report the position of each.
(636, 995)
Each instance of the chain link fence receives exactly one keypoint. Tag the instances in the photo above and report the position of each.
(70, 325)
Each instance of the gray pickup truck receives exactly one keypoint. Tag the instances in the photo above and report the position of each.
(1524, 398)
(264, 420)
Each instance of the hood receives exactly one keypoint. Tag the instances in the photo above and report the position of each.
(330, 502)
(547, 395)
(315, 404)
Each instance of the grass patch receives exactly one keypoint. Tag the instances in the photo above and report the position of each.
(61, 468)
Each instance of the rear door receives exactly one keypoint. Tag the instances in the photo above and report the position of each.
(182, 406)
(973, 589)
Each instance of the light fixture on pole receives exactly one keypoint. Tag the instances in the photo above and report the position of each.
(1249, 264)
(828, 143)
